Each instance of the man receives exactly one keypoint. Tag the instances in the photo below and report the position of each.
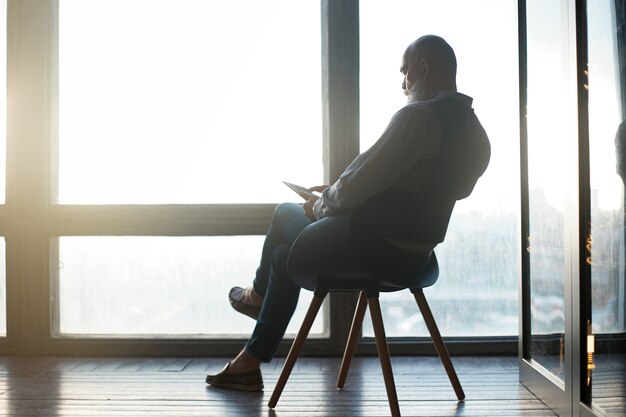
(620, 151)
(387, 211)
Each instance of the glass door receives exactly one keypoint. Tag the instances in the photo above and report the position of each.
(549, 131)
(573, 101)
(603, 288)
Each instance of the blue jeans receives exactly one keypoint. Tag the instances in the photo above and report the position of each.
(273, 283)
(329, 246)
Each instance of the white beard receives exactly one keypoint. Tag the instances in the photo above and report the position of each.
(414, 93)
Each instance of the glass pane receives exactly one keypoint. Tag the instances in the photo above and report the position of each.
(476, 294)
(552, 137)
(3, 94)
(157, 286)
(188, 101)
(607, 176)
(3, 289)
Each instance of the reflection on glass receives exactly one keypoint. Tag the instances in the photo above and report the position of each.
(3, 289)
(607, 381)
(188, 101)
(476, 294)
(551, 121)
(157, 286)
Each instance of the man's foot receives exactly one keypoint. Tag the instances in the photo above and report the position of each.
(246, 301)
(244, 381)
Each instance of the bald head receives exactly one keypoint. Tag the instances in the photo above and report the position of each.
(429, 66)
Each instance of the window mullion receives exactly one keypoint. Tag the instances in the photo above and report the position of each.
(29, 80)
(340, 101)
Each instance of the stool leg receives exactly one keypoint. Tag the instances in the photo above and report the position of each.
(440, 346)
(359, 313)
(295, 349)
(383, 354)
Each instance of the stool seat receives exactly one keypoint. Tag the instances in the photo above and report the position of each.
(365, 280)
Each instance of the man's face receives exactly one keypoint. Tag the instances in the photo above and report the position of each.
(411, 83)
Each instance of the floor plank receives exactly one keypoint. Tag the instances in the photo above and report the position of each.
(175, 387)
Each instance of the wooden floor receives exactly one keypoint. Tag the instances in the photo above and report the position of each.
(609, 383)
(176, 387)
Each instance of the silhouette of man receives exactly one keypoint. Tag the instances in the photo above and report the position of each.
(387, 211)
(620, 151)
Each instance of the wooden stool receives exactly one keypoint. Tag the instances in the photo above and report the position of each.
(369, 286)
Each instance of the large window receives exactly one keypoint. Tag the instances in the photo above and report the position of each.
(131, 286)
(188, 101)
(477, 290)
(148, 141)
(185, 102)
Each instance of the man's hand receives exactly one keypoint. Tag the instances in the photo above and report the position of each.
(308, 207)
(318, 188)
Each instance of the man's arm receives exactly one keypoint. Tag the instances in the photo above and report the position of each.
(413, 134)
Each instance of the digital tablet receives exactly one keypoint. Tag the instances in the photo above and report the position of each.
(300, 190)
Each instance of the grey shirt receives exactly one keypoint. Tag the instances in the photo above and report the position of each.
(398, 159)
